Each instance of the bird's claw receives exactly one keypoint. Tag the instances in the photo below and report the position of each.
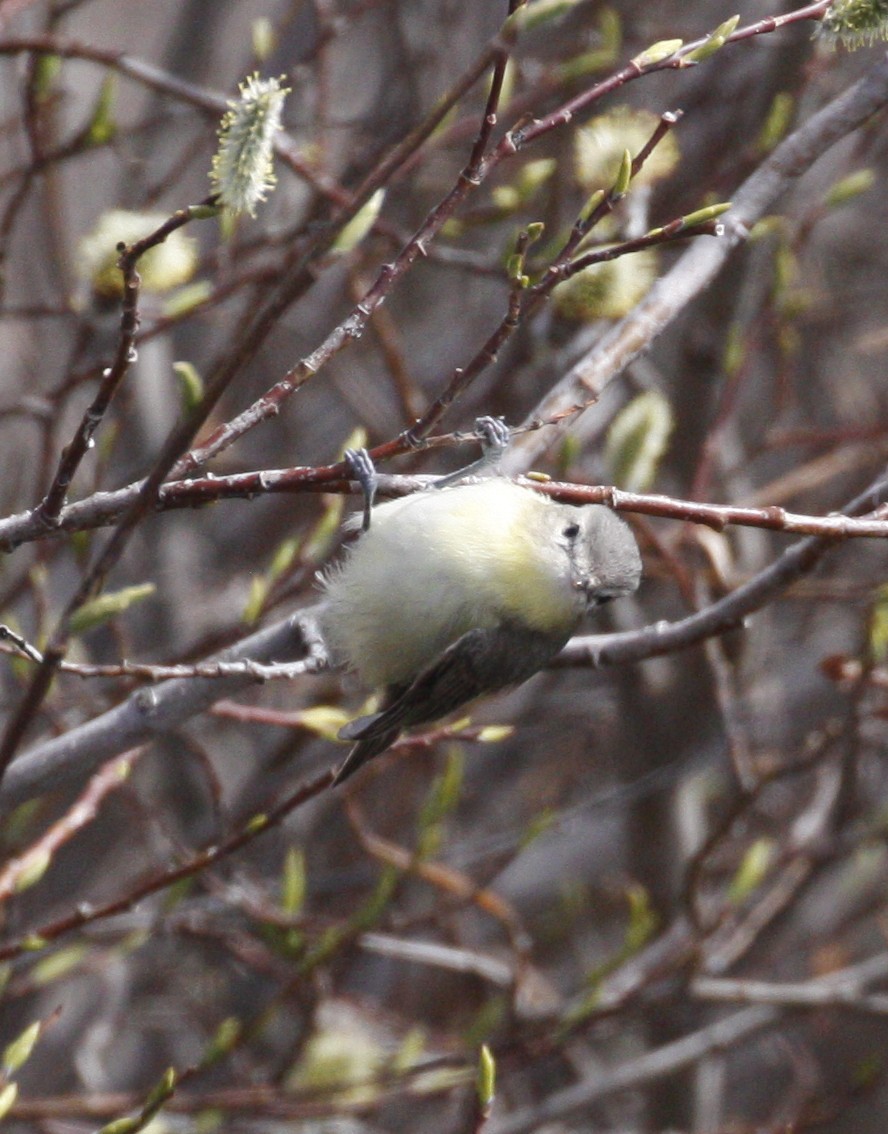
(362, 469)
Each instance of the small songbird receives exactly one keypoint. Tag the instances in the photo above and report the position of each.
(455, 592)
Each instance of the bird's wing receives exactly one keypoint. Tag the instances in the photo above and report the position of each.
(481, 661)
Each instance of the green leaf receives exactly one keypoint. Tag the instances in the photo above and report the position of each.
(100, 610)
(642, 919)
(624, 176)
(708, 213)
(159, 1094)
(325, 531)
(777, 121)
(493, 734)
(226, 1036)
(19, 1051)
(530, 16)
(592, 204)
(527, 182)
(264, 38)
(600, 58)
(485, 1084)
(440, 802)
(33, 943)
(121, 1126)
(47, 69)
(185, 299)
(714, 43)
(256, 823)
(324, 721)
(256, 598)
(282, 560)
(205, 211)
(637, 440)
(657, 52)
(352, 233)
(260, 585)
(102, 128)
(191, 383)
(534, 231)
(878, 627)
(850, 187)
(752, 870)
(293, 882)
(7, 1097)
(57, 965)
(36, 865)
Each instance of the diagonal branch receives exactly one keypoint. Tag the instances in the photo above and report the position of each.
(668, 298)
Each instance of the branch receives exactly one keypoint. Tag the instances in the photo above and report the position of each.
(668, 298)
(690, 1049)
(103, 508)
(641, 1071)
(21, 871)
(727, 613)
(150, 712)
(85, 913)
(843, 989)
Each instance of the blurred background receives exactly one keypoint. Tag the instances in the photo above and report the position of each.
(583, 889)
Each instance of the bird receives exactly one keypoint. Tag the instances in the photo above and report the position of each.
(454, 592)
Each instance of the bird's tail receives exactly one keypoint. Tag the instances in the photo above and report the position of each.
(365, 750)
(374, 733)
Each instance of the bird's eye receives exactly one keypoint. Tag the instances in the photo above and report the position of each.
(572, 531)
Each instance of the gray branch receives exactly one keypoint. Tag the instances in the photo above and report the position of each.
(584, 382)
(154, 710)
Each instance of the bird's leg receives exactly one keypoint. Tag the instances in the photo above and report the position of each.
(494, 435)
(363, 470)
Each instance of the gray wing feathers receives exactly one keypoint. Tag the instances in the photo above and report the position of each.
(479, 662)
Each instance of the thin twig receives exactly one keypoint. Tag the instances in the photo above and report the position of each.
(39, 855)
(85, 913)
(104, 508)
(670, 295)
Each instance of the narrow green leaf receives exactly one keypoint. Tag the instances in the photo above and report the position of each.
(226, 1036)
(850, 187)
(264, 39)
(255, 599)
(324, 721)
(159, 1094)
(19, 1051)
(357, 228)
(642, 919)
(752, 870)
(58, 964)
(701, 216)
(8, 1095)
(493, 734)
(185, 299)
(485, 1083)
(536, 14)
(102, 128)
(191, 383)
(592, 204)
(36, 866)
(105, 607)
(657, 52)
(878, 627)
(637, 440)
(624, 176)
(714, 43)
(293, 882)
